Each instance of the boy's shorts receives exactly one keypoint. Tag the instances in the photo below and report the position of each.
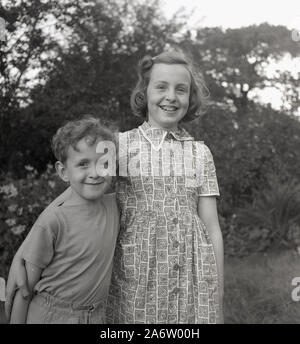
(46, 309)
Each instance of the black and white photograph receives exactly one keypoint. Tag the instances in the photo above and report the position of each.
(149, 164)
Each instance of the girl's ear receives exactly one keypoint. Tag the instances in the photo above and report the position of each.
(61, 171)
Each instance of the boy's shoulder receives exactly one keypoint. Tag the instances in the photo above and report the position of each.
(49, 217)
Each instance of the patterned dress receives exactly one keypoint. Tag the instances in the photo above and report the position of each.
(165, 266)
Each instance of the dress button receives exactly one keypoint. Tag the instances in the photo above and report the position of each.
(176, 267)
(175, 220)
(176, 290)
(176, 244)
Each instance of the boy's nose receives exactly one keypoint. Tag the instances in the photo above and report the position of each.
(93, 172)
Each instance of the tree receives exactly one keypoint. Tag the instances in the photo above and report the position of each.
(29, 48)
(92, 70)
(234, 61)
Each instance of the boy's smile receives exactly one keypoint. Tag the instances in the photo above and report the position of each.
(80, 169)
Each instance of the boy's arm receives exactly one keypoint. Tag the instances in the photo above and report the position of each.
(20, 304)
(19, 309)
(17, 278)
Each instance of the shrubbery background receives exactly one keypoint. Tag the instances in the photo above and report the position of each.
(93, 70)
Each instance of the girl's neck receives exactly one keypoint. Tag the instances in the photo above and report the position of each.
(156, 125)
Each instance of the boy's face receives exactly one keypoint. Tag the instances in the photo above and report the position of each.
(80, 169)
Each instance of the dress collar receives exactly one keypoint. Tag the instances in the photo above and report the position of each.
(156, 136)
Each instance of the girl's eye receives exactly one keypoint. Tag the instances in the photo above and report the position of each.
(181, 89)
(161, 87)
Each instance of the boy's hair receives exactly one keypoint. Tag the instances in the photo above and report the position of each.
(73, 131)
(138, 100)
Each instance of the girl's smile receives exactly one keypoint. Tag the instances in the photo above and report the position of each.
(168, 95)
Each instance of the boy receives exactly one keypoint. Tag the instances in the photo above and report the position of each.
(69, 251)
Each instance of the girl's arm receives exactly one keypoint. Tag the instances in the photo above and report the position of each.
(20, 304)
(207, 211)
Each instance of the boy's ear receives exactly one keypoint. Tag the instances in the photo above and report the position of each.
(61, 171)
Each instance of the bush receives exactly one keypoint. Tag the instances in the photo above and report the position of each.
(271, 220)
(273, 214)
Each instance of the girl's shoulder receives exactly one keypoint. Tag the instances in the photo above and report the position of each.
(130, 132)
(128, 137)
(201, 145)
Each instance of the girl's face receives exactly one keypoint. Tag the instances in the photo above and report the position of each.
(168, 95)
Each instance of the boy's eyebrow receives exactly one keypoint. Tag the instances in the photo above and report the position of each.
(81, 159)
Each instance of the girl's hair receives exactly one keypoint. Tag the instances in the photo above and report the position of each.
(198, 90)
(73, 131)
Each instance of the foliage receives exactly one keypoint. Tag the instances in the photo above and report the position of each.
(92, 69)
(29, 51)
(247, 152)
(245, 149)
(234, 62)
(21, 203)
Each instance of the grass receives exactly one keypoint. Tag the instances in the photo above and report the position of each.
(258, 289)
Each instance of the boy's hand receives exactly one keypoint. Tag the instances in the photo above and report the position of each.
(17, 279)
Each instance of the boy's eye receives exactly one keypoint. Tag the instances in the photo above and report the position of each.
(83, 164)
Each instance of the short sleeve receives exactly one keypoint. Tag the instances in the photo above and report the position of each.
(39, 244)
(209, 187)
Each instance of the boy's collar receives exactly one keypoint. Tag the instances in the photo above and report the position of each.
(156, 136)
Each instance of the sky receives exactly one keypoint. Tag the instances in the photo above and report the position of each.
(237, 13)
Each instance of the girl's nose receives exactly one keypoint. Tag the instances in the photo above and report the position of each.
(170, 95)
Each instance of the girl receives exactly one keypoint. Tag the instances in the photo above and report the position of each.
(168, 263)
